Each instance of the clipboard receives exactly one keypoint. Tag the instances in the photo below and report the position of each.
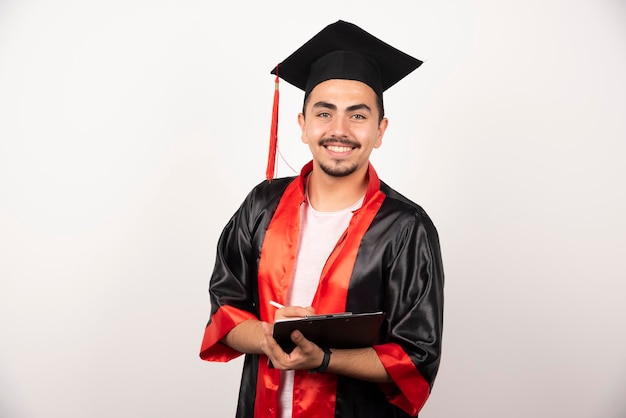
(339, 330)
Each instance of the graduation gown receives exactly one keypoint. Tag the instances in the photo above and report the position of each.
(388, 259)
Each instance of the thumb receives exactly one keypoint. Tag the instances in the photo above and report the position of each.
(296, 336)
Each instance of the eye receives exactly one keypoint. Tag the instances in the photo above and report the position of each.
(359, 116)
(323, 115)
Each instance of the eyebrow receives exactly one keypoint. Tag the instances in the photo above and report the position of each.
(352, 108)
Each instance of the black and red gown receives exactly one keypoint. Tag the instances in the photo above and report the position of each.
(388, 259)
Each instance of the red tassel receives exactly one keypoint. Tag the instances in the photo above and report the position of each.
(271, 158)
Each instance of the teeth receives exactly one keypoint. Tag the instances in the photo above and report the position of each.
(335, 148)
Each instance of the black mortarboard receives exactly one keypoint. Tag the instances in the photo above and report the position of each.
(344, 51)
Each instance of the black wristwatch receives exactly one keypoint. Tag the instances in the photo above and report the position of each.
(322, 368)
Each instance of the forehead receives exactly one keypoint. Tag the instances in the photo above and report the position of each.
(338, 91)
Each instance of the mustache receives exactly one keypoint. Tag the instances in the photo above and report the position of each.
(342, 141)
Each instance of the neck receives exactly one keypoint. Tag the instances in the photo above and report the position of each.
(329, 194)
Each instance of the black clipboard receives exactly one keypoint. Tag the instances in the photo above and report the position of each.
(340, 330)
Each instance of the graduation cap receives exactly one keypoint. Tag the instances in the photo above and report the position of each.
(344, 51)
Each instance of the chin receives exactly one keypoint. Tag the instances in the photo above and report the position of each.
(338, 170)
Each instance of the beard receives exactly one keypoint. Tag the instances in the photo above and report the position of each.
(338, 169)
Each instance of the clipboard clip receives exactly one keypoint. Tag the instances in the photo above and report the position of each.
(326, 316)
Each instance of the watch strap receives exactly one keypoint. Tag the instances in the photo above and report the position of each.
(322, 367)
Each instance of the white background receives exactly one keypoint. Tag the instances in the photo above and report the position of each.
(131, 130)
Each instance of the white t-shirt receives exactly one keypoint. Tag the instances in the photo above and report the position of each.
(319, 234)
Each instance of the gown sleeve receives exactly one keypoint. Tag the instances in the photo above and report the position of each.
(414, 306)
(232, 291)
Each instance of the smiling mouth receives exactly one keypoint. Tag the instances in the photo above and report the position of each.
(339, 145)
(339, 148)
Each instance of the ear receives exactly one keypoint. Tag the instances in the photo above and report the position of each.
(302, 123)
(382, 127)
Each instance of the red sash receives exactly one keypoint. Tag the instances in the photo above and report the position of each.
(314, 394)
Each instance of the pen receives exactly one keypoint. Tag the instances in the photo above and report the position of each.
(276, 304)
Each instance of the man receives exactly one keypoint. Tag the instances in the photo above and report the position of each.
(333, 239)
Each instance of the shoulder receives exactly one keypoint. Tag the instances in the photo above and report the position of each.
(265, 195)
(269, 190)
(398, 203)
(403, 214)
(259, 205)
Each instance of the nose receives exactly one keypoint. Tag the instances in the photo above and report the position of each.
(339, 127)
